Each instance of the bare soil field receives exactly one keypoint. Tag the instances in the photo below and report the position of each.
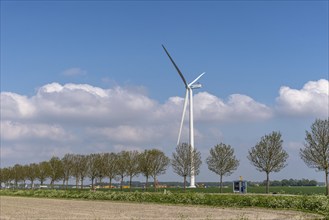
(42, 208)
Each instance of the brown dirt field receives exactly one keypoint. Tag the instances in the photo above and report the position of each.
(43, 208)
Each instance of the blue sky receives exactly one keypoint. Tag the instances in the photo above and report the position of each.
(54, 55)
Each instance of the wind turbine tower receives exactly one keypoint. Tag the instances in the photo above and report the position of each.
(188, 96)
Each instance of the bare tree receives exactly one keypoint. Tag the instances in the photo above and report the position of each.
(80, 168)
(101, 163)
(268, 155)
(132, 165)
(316, 151)
(122, 166)
(153, 163)
(111, 166)
(83, 168)
(43, 171)
(56, 170)
(67, 162)
(31, 173)
(24, 174)
(222, 161)
(6, 175)
(184, 160)
(144, 161)
(17, 171)
(93, 167)
(75, 169)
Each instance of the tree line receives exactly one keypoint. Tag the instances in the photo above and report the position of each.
(292, 182)
(96, 167)
(267, 156)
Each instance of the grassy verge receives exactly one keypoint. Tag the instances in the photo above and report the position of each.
(316, 203)
(295, 190)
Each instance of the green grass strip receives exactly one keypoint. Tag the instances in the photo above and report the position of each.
(315, 203)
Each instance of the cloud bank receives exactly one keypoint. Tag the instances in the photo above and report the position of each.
(82, 118)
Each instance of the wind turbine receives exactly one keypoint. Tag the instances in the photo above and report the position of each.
(189, 95)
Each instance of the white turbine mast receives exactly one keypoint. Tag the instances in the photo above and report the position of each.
(189, 95)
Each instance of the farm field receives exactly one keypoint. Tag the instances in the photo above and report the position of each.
(317, 204)
(43, 208)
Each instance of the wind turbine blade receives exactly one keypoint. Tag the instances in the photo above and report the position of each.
(196, 79)
(179, 72)
(183, 116)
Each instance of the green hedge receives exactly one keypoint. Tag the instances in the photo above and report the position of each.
(315, 203)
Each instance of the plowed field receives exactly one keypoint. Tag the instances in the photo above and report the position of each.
(41, 208)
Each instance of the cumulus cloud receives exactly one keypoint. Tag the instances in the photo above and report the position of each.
(11, 130)
(238, 107)
(85, 104)
(81, 118)
(26, 142)
(128, 133)
(81, 103)
(312, 99)
(16, 106)
(84, 118)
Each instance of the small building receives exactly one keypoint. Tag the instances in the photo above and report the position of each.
(240, 186)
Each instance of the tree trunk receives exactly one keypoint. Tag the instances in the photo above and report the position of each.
(110, 183)
(76, 182)
(67, 183)
(221, 184)
(92, 183)
(155, 184)
(184, 183)
(81, 182)
(130, 178)
(267, 182)
(146, 182)
(327, 185)
(121, 185)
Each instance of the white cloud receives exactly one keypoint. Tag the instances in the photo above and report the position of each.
(16, 106)
(85, 104)
(127, 133)
(18, 131)
(75, 71)
(81, 103)
(312, 99)
(238, 108)
(32, 142)
(81, 118)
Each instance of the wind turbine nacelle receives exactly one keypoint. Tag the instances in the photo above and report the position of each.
(196, 86)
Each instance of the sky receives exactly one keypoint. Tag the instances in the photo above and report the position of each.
(91, 76)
